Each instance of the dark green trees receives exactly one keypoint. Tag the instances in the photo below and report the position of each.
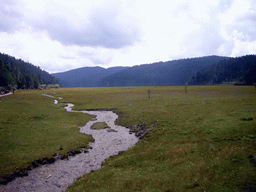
(19, 74)
(238, 71)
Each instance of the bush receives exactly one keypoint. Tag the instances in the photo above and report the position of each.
(246, 119)
(49, 86)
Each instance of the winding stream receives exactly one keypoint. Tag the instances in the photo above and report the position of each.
(62, 173)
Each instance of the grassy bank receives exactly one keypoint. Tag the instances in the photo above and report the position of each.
(33, 128)
(204, 140)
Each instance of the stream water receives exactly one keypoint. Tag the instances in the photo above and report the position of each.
(62, 173)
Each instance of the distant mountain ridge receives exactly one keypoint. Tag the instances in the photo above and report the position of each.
(169, 73)
(15, 73)
(85, 76)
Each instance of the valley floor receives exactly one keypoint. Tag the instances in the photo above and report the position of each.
(204, 140)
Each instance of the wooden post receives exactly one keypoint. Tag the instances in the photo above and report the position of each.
(186, 86)
(149, 94)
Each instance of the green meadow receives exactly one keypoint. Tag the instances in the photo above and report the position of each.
(33, 129)
(200, 141)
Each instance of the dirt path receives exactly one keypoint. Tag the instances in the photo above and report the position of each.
(59, 175)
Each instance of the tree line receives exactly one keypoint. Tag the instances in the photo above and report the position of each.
(18, 74)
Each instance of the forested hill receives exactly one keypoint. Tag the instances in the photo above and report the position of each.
(85, 76)
(15, 73)
(175, 72)
(170, 73)
(238, 71)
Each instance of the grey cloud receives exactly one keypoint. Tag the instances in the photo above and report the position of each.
(10, 18)
(225, 5)
(100, 61)
(102, 29)
(226, 48)
(211, 39)
(206, 41)
(95, 57)
(67, 57)
(246, 26)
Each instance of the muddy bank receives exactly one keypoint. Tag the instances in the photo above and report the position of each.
(141, 130)
(62, 173)
(39, 162)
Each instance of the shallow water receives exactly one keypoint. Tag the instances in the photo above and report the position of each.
(59, 175)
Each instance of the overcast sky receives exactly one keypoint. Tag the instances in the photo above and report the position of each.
(59, 35)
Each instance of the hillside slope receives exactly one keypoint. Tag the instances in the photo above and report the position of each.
(86, 76)
(240, 71)
(170, 73)
(20, 74)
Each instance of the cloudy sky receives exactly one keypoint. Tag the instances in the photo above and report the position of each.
(59, 35)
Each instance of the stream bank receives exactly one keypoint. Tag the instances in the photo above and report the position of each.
(62, 173)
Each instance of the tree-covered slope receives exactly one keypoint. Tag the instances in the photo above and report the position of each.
(85, 76)
(168, 73)
(19, 74)
(241, 70)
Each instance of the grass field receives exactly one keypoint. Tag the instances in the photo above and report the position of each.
(201, 141)
(100, 125)
(32, 128)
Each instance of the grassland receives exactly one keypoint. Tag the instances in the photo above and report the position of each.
(199, 141)
(33, 129)
(202, 140)
(100, 125)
